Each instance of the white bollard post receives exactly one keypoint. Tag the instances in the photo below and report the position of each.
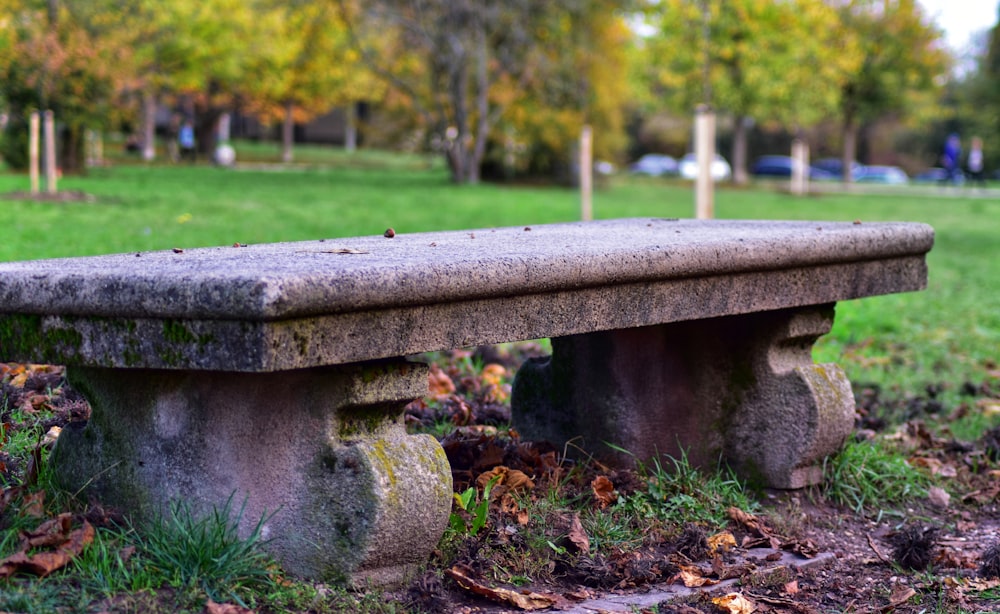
(50, 152)
(704, 148)
(33, 125)
(800, 167)
(586, 174)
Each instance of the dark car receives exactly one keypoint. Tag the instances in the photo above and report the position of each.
(835, 166)
(781, 166)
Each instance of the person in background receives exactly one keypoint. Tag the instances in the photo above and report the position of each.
(185, 139)
(951, 159)
(974, 163)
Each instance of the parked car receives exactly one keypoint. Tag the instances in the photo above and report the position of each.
(884, 174)
(781, 166)
(688, 168)
(655, 165)
(835, 166)
(937, 175)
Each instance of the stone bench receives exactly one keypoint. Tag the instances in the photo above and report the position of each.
(277, 374)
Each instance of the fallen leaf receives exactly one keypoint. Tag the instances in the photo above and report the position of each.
(692, 577)
(577, 536)
(440, 386)
(525, 600)
(50, 437)
(513, 479)
(225, 608)
(724, 541)
(44, 563)
(900, 595)
(938, 496)
(735, 603)
(604, 491)
(494, 374)
(791, 588)
(34, 504)
(804, 548)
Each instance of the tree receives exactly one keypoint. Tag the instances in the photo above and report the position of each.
(54, 63)
(901, 54)
(462, 64)
(754, 59)
(308, 67)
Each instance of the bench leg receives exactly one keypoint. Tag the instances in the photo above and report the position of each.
(741, 388)
(322, 453)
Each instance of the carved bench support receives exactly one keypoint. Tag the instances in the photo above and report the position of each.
(739, 388)
(321, 453)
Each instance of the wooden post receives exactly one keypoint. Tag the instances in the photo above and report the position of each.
(148, 126)
(33, 151)
(586, 174)
(50, 152)
(351, 127)
(800, 167)
(704, 148)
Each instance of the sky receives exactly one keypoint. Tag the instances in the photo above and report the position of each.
(961, 19)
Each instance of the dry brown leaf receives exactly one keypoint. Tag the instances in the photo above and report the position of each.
(440, 386)
(604, 491)
(525, 600)
(982, 496)
(746, 519)
(513, 479)
(693, 577)
(724, 541)
(493, 374)
(518, 481)
(938, 496)
(791, 588)
(735, 603)
(50, 437)
(900, 595)
(577, 536)
(225, 608)
(44, 563)
(34, 504)
(804, 548)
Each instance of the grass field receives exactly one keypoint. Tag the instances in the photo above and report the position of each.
(948, 334)
(940, 338)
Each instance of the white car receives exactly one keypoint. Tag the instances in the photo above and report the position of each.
(688, 168)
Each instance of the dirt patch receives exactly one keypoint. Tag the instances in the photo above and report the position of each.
(62, 196)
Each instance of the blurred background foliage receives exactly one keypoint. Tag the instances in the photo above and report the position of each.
(501, 89)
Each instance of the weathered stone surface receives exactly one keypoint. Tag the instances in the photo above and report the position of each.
(297, 305)
(244, 371)
(741, 389)
(322, 454)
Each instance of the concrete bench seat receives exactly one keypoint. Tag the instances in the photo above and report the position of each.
(278, 373)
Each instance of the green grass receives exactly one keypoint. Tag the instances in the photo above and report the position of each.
(948, 333)
(870, 478)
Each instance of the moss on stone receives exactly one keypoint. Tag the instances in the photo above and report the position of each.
(25, 337)
(175, 331)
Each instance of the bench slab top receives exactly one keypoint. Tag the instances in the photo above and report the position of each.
(326, 302)
(290, 280)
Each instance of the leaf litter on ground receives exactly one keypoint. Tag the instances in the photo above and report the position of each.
(469, 390)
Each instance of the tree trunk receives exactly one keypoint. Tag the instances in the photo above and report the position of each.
(740, 176)
(287, 134)
(482, 106)
(148, 126)
(71, 150)
(850, 137)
